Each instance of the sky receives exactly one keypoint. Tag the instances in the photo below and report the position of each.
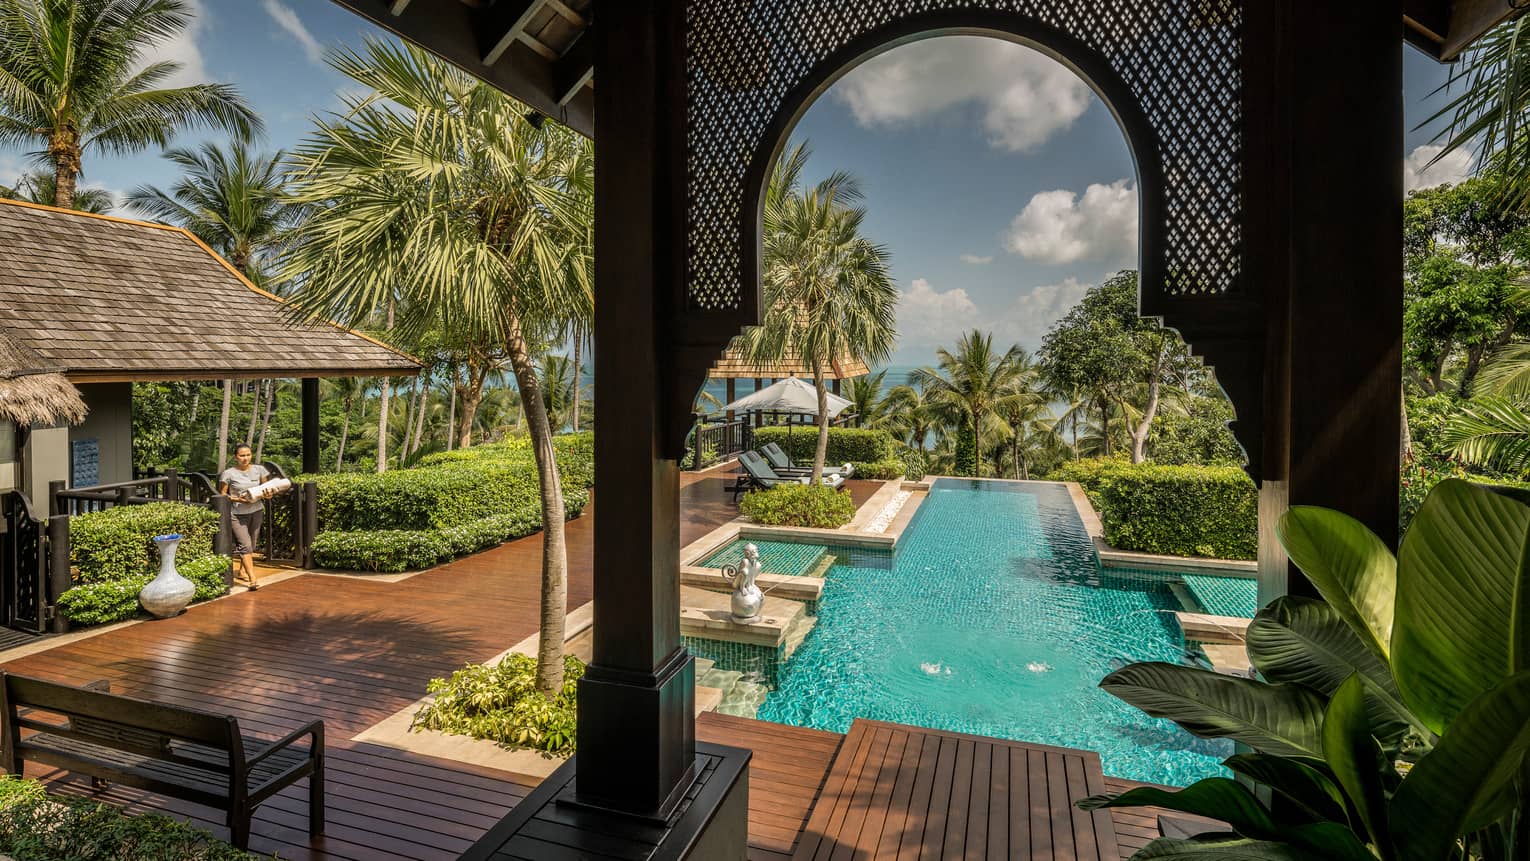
(999, 182)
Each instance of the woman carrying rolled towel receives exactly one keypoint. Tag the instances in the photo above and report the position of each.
(238, 482)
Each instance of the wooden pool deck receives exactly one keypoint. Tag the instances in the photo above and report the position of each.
(353, 651)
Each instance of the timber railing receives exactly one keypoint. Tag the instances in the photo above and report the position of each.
(717, 441)
(34, 565)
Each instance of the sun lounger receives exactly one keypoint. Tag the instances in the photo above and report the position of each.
(758, 475)
(782, 463)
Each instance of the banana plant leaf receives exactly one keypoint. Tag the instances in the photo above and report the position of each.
(1303, 785)
(1461, 625)
(1280, 718)
(1232, 803)
(1307, 642)
(1224, 849)
(1352, 569)
(1356, 760)
(1466, 783)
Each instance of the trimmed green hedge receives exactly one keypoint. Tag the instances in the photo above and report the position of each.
(846, 445)
(1210, 511)
(35, 826)
(453, 504)
(119, 542)
(114, 600)
(883, 470)
(799, 505)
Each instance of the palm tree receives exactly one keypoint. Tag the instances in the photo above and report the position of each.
(230, 198)
(557, 377)
(827, 290)
(912, 418)
(72, 80)
(970, 387)
(41, 187)
(438, 189)
(872, 408)
(1031, 433)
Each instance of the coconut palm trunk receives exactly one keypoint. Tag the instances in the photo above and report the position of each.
(265, 422)
(228, 402)
(345, 431)
(419, 418)
(255, 403)
(382, 408)
(578, 342)
(554, 552)
(821, 452)
(451, 414)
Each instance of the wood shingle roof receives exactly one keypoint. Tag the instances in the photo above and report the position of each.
(108, 299)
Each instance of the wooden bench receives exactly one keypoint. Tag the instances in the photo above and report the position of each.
(180, 752)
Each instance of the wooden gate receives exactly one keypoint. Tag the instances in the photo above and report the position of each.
(24, 556)
(290, 523)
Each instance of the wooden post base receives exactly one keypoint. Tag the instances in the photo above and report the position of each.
(711, 823)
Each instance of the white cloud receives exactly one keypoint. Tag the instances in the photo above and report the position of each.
(288, 20)
(977, 259)
(1419, 173)
(183, 48)
(1061, 227)
(1025, 96)
(1029, 317)
(927, 316)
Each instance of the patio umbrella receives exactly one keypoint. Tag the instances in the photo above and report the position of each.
(791, 395)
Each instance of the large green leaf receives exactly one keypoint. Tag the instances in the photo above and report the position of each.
(1461, 600)
(1305, 641)
(1356, 759)
(1214, 798)
(1465, 783)
(1281, 719)
(1301, 784)
(1352, 569)
(1223, 849)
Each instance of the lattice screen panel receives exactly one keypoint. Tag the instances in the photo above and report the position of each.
(1180, 58)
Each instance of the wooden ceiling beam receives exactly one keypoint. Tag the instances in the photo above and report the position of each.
(575, 69)
(456, 33)
(1445, 28)
(398, 7)
(504, 23)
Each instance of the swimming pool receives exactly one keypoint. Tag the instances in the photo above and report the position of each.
(992, 618)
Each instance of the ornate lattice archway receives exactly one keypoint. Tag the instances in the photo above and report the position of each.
(1170, 71)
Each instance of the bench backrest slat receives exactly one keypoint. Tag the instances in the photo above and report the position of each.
(174, 722)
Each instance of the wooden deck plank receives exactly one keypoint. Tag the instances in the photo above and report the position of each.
(905, 792)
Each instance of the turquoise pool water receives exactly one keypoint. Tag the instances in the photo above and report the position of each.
(776, 557)
(1224, 596)
(993, 618)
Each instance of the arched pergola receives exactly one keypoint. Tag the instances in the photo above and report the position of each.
(1268, 136)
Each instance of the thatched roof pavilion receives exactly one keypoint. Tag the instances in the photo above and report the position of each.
(34, 391)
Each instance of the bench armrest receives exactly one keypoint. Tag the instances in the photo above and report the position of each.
(313, 728)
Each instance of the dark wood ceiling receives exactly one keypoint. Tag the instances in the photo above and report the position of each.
(540, 51)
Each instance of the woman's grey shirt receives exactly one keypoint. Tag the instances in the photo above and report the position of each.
(239, 481)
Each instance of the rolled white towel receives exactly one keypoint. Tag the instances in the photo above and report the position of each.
(270, 488)
(848, 470)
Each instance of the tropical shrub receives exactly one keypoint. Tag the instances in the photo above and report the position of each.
(1180, 510)
(914, 465)
(106, 601)
(813, 505)
(119, 542)
(883, 470)
(500, 702)
(1090, 473)
(384, 550)
(1393, 719)
(35, 826)
(846, 445)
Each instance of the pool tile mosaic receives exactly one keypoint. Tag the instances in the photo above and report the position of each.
(1224, 596)
(776, 557)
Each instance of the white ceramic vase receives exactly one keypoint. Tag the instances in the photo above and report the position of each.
(168, 593)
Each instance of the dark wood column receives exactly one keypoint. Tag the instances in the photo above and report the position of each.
(637, 741)
(1325, 233)
(310, 424)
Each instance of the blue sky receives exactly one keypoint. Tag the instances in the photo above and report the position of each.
(1001, 185)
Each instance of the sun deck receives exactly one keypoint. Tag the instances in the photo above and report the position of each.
(354, 650)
